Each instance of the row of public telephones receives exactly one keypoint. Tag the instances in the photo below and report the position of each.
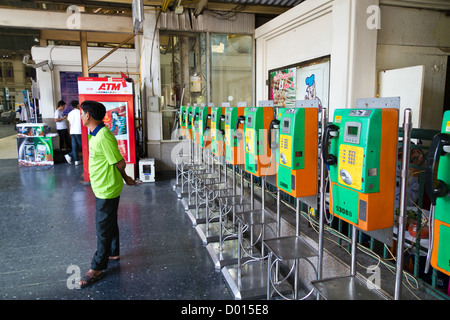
(359, 148)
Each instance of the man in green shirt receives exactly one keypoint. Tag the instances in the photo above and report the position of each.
(107, 173)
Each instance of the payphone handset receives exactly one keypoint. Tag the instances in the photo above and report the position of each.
(188, 113)
(437, 186)
(259, 158)
(362, 157)
(182, 115)
(204, 126)
(234, 142)
(297, 148)
(195, 124)
(217, 132)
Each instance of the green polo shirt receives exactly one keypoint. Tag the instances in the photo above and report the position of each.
(106, 180)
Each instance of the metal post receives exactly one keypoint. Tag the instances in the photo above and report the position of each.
(278, 213)
(263, 191)
(322, 208)
(354, 244)
(407, 125)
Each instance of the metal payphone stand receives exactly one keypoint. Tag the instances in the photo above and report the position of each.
(225, 251)
(248, 278)
(210, 231)
(292, 248)
(353, 286)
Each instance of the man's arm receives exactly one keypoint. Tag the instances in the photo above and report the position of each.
(121, 166)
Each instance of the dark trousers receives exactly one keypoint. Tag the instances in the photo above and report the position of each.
(76, 146)
(64, 138)
(107, 232)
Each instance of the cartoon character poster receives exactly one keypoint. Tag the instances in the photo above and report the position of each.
(313, 83)
(116, 120)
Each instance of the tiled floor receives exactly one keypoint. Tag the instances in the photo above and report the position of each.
(47, 226)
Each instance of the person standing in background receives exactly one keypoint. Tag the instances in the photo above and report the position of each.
(61, 126)
(74, 118)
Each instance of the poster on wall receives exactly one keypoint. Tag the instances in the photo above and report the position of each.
(313, 83)
(308, 80)
(282, 87)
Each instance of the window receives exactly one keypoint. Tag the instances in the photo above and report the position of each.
(231, 68)
(184, 76)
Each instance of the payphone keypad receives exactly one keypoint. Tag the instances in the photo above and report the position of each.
(350, 166)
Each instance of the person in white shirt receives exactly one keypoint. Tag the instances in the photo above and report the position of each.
(75, 132)
(61, 126)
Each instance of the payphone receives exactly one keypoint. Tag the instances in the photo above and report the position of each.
(234, 142)
(217, 132)
(362, 159)
(188, 117)
(204, 129)
(182, 115)
(296, 157)
(195, 124)
(259, 159)
(437, 186)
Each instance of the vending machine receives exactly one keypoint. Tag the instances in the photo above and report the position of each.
(360, 148)
(117, 95)
(437, 186)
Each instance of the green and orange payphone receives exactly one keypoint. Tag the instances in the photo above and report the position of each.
(188, 117)
(297, 153)
(437, 186)
(195, 124)
(204, 130)
(362, 159)
(182, 115)
(259, 158)
(234, 142)
(217, 132)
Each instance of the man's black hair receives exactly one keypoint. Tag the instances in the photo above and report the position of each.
(61, 103)
(96, 109)
(74, 103)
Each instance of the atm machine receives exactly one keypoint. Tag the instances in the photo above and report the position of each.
(297, 175)
(437, 186)
(247, 278)
(360, 149)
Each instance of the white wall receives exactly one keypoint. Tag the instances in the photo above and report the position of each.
(411, 37)
(66, 58)
(319, 28)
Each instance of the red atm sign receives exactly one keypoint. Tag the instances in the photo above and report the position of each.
(104, 86)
